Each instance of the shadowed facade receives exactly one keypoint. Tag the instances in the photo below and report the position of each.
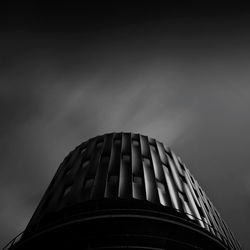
(125, 190)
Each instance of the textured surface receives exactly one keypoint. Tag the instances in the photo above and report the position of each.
(130, 166)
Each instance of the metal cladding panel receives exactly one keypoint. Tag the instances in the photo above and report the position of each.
(138, 181)
(130, 166)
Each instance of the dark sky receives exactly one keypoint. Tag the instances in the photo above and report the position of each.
(180, 74)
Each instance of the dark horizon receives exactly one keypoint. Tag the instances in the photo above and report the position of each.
(179, 74)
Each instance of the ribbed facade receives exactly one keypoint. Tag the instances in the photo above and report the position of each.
(128, 167)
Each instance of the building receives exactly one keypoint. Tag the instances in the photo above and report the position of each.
(124, 190)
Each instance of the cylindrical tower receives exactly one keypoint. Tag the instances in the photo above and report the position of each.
(124, 190)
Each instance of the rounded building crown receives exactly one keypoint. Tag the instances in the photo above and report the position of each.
(109, 171)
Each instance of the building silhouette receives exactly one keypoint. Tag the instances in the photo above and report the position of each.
(124, 190)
